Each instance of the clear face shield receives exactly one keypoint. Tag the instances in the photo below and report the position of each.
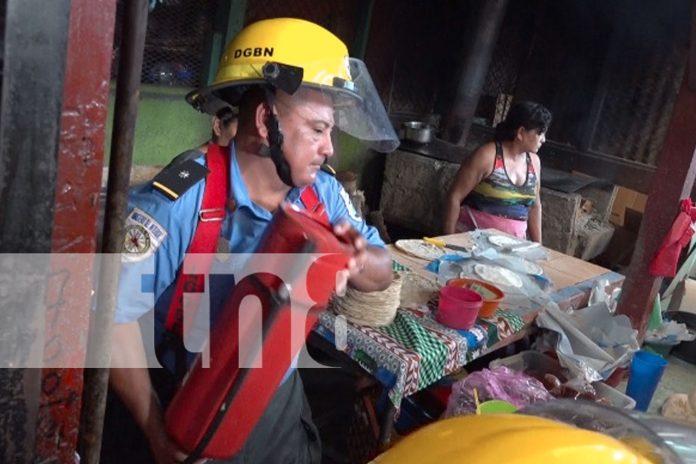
(354, 106)
(357, 108)
(360, 113)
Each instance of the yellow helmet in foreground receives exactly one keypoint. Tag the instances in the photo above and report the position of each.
(285, 53)
(509, 439)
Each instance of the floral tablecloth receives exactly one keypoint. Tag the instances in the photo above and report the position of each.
(416, 351)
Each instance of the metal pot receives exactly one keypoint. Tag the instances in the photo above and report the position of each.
(417, 131)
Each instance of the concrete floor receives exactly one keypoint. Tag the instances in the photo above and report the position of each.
(679, 377)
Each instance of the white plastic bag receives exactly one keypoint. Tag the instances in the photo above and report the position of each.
(590, 342)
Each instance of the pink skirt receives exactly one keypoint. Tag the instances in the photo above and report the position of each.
(472, 219)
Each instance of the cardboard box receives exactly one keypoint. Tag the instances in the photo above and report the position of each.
(626, 198)
(688, 302)
(632, 219)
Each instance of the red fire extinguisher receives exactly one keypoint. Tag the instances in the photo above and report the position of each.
(216, 408)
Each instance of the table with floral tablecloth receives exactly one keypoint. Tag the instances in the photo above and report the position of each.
(415, 351)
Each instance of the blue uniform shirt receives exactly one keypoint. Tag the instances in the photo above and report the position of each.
(147, 278)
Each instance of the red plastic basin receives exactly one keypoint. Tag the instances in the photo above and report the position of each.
(458, 307)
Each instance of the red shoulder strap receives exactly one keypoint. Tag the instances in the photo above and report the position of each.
(205, 238)
(311, 201)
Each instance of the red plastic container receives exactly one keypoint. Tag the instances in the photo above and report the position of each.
(217, 407)
(492, 295)
(458, 307)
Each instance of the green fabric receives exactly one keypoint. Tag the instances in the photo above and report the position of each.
(511, 321)
(655, 320)
(515, 320)
(398, 267)
(411, 334)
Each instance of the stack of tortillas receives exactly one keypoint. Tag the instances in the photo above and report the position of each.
(373, 309)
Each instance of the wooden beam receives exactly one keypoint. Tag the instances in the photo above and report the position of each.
(35, 37)
(482, 35)
(362, 34)
(80, 159)
(691, 65)
(631, 174)
(228, 21)
(673, 180)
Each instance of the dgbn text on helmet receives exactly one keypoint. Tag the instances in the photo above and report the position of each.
(258, 51)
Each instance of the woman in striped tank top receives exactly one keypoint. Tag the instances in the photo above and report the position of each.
(498, 185)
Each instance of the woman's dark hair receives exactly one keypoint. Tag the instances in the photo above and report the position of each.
(525, 114)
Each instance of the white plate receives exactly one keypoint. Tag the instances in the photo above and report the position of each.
(523, 265)
(503, 241)
(498, 275)
(419, 249)
(532, 268)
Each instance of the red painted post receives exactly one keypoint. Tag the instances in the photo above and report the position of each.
(80, 160)
(673, 180)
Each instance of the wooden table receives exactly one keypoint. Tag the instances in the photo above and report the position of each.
(572, 277)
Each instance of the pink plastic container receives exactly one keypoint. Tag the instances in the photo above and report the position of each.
(458, 307)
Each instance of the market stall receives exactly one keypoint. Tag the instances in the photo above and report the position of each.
(415, 350)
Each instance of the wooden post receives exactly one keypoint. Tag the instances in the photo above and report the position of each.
(673, 180)
(691, 65)
(35, 37)
(80, 160)
(473, 68)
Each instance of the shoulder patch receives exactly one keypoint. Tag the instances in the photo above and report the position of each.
(352, 212)
(326, 167)
(186, 155)
(177, 178)
(142, 236)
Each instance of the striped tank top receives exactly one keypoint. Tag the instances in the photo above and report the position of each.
(496, 194)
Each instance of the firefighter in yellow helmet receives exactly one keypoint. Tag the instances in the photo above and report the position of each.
(294, 84)
(285, 56)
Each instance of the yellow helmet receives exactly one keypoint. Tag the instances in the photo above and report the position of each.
(286, 53)
(509, 438)
(286, 40)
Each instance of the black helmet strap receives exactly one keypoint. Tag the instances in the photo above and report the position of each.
(275, 143)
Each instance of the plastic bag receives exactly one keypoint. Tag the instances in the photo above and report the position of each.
(601, 294)
(499, 383)
(591, 343)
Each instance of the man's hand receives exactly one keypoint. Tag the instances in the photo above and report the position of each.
(130, 380)
(369, 269)
(163, 448)
(357, 263)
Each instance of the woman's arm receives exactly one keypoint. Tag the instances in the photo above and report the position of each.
(534, 220)
(472, 171)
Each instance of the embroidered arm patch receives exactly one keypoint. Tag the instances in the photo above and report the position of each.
(142, 236)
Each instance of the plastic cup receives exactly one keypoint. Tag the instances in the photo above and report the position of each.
(497, 407)
(458, 307)
(644, 374)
